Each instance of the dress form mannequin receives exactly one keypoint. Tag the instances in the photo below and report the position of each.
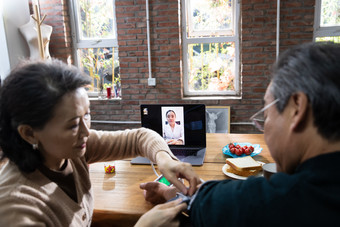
(29, 31)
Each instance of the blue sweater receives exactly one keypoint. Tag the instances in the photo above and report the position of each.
(309, 197)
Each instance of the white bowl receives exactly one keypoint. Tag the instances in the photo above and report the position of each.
(269, 169)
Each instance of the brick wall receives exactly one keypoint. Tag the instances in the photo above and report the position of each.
(258, 52)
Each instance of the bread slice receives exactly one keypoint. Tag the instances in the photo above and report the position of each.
(244, 166)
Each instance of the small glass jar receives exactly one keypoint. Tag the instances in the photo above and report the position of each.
(110, 167)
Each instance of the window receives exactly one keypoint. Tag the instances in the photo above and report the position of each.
(210, 48)
(95, 42)
(327, 21)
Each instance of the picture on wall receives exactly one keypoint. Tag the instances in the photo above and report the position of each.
(218, 119)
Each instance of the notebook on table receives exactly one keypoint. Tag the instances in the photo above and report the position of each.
(187, 139)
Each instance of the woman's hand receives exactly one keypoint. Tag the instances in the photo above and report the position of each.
(172, 170)
(175, 142)
(179, 142)
(162, 215)
(156, 192)
(171, 141)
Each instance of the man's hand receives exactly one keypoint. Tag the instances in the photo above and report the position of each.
(156, 192)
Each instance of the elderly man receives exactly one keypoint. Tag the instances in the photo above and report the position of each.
(302, 130)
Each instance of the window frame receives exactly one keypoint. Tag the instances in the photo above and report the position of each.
(79, 43)
(225, 37)
(319, 31)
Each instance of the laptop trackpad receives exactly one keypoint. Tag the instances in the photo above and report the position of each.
(195, 160)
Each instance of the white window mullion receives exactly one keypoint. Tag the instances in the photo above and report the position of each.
(99, 43)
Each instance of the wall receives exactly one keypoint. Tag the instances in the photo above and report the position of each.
(4, 58)
(15, 13)
(259, 47)
(258, 50)
(13, 46)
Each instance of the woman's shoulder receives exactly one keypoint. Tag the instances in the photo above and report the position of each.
(19, 198)
(9, 173)
(12, 181)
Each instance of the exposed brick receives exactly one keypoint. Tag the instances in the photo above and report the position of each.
(258, 45)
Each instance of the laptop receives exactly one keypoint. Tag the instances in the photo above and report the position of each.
(181, 125)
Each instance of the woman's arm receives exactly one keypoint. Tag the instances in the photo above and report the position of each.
(116, 145)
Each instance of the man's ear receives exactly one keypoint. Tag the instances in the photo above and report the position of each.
(26, 132)
(300, 107)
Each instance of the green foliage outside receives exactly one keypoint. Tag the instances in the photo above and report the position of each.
(334, 39)
(330, 16)
(102, 64)
(211, 67)
(330, 13)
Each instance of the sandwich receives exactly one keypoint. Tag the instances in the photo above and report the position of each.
(244, 166)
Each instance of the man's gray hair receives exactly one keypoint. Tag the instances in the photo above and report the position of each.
(314, 69)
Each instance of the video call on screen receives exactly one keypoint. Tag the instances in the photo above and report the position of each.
(189, 116)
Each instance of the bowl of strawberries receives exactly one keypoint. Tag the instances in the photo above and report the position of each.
(237, 150)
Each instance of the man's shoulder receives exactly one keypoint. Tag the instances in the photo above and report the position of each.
(321, 164)
(256, 188)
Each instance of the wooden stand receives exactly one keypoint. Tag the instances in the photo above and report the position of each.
(39, 21)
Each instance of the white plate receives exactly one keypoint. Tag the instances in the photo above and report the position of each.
(238, 177)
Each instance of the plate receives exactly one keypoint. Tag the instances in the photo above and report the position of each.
(257, 150)
(238, 177)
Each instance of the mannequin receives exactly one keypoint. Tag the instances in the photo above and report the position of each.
(29, 31)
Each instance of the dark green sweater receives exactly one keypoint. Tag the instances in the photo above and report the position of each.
(309, 197)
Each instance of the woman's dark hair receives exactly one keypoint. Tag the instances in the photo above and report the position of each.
(29, 95)
(313, 69)
(166, 114)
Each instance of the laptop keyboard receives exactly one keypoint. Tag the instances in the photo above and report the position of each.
(184, 151)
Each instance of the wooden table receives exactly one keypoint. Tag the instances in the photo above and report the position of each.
(118, 201)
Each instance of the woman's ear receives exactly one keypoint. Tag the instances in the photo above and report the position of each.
(300, 105)
(26, 132)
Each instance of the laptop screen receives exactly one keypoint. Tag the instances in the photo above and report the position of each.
(179, 125)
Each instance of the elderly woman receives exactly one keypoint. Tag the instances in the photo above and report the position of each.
(46, 139)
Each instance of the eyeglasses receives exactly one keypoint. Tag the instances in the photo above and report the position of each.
(258, 118)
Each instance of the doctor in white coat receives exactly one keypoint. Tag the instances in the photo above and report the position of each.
(173, 132)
